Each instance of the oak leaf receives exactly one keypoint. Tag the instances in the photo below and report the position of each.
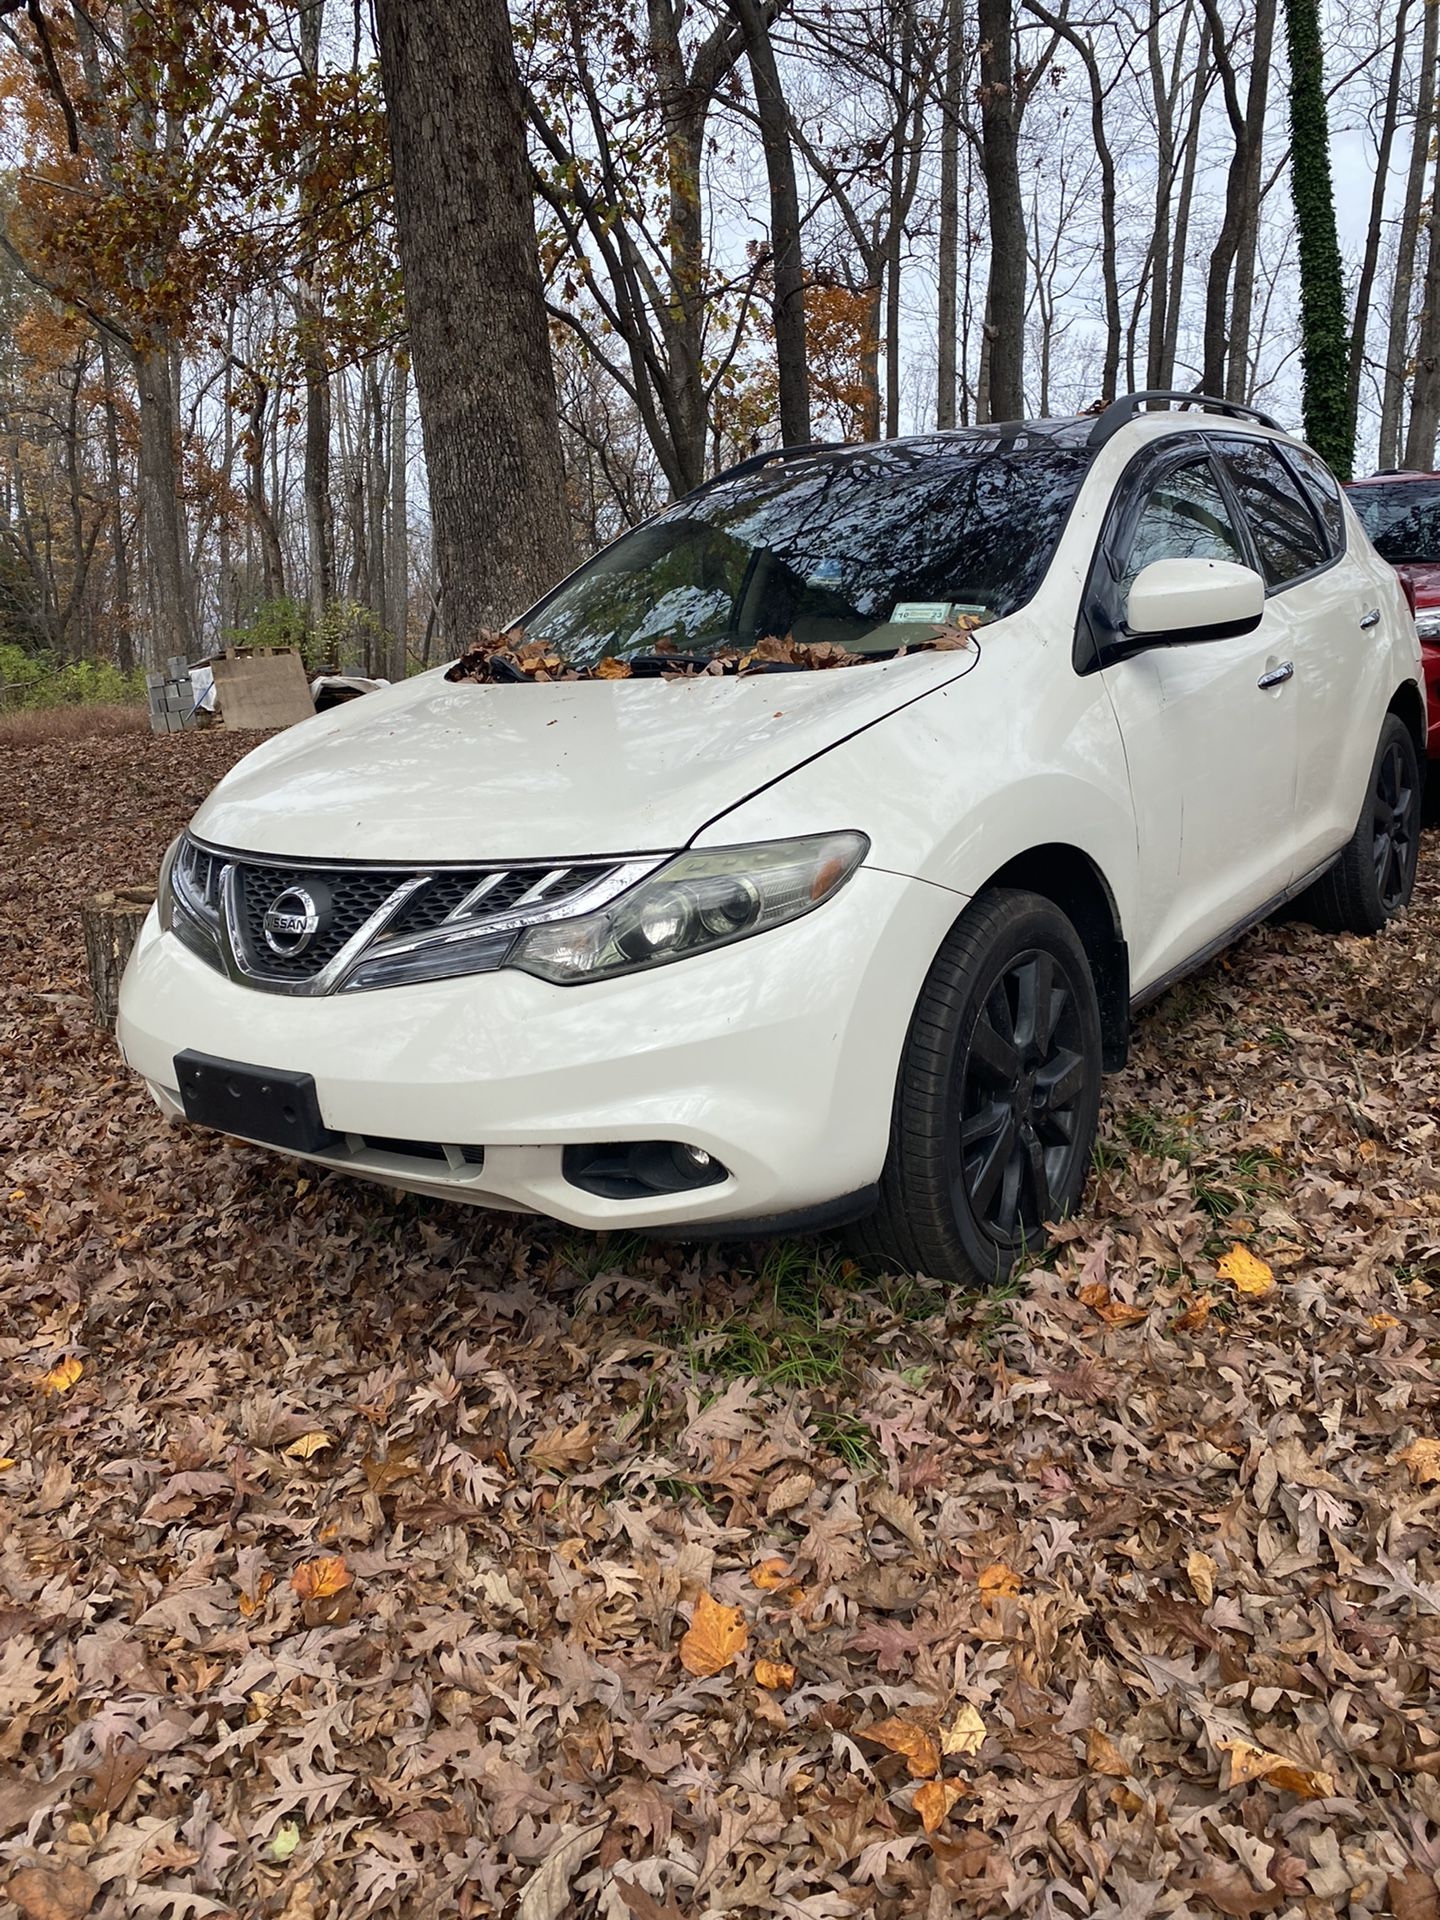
(715, 1636)
(934, 1800)
(1103, 1756)
(910, 1741)
(308, 1445)
(1246, 1273)
(1196, 1316)
(322, 1578)
(772, 1573)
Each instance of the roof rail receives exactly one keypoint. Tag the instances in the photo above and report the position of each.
(756, 461)
(1120, 412)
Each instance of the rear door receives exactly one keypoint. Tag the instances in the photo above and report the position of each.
(1211, 750)
(1324, 609)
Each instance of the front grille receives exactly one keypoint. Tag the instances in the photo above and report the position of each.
(352, 898)
(421, 901)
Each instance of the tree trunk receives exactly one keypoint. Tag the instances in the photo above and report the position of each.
(950, 99)
(1323, 347)
(1247, 226)
(999, 133)
(120, 556)
(397, 558)
(111, 924)
(159, 479)
(479, 339)
(1397, 350)
(787, 262)
(1185, 200)
(1365, 285)
(310, 305)
(1425, 389)
(272, 561)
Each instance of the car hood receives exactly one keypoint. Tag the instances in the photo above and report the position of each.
(432, 770)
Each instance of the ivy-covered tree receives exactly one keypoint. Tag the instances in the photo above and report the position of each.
(1324, 344)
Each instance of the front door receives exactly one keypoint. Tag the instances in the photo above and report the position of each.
(1210, 736)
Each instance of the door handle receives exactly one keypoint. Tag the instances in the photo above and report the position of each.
(1277, 676)
(1370, 619)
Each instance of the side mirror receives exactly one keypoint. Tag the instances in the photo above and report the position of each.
(1180, 600)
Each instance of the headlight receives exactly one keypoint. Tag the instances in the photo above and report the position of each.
(695, 901)
(186, 899)
(1427, 623)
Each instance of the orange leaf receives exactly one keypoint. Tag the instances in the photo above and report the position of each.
(610, 669)
(934, 1800)
(1422, 1457)
(250, 1604)
(1249, 1762)
(1119, 1313)
(920, 1753)
(998, 1578)
(320, 1579)
(1382, 1322)
(778, 1675)
(1195, 1316)
(772, 1573)
(715, 1635)
(1246, 1273)
(1094, 1293)
(60, 1379)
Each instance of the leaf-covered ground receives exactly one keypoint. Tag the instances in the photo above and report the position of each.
(365, 1556)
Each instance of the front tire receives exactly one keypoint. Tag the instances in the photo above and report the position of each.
(997, 1099)
(1375, 874)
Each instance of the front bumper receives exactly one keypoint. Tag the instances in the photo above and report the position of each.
(776, 1055)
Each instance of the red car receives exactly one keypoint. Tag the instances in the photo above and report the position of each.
(1401, 514)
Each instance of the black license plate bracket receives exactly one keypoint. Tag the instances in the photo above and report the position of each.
(272, 1105)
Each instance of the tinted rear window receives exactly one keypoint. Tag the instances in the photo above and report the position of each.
(1402, 518)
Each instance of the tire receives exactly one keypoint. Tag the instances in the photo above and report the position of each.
(976, 1058)
(1375, 874)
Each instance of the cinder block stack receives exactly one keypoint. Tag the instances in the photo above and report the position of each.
(171, 697)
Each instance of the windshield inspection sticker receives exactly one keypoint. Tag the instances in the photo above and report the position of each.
(935, 613)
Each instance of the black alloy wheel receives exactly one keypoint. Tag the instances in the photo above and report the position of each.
(1395, 818)
(997, 1097)
(1021, 1098)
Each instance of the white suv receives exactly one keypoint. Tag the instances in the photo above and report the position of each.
(761, 949)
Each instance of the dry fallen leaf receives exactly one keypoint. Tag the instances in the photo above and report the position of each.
(1422, 1457)
(911, 1741)
(934, 1800)
(777, 1675)
(792, 1491)
(560, 1448)
(51, 1892)
(1196, 1315)
(998, 1578)
(61, 1378)
(716, 1634)
(1200, 1571)
(1246, 1273)
(320, 1579)
(7, 1461)
(1249, 1762)
(772, 1573)
(307, 1446)
(965, 1733)
(1103, 1756)
(1382, 1322)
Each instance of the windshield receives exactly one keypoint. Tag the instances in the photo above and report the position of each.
(871, 553)
(1403, 521)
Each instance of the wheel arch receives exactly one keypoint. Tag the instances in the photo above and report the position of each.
(1073, 882)
(1407, 703)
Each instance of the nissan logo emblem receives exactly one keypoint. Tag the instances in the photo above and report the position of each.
(292, 921)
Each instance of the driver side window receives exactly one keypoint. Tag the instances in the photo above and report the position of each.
(1184, 518)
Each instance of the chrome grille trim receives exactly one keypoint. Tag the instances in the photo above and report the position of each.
(222, 908)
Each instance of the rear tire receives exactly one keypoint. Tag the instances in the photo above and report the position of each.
(997, 1099)
(1375, 874)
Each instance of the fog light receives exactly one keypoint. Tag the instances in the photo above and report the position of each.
(639, 1169)
(695, 1157)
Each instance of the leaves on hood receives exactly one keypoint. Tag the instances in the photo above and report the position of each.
(509, 657)
(1218, 1526)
